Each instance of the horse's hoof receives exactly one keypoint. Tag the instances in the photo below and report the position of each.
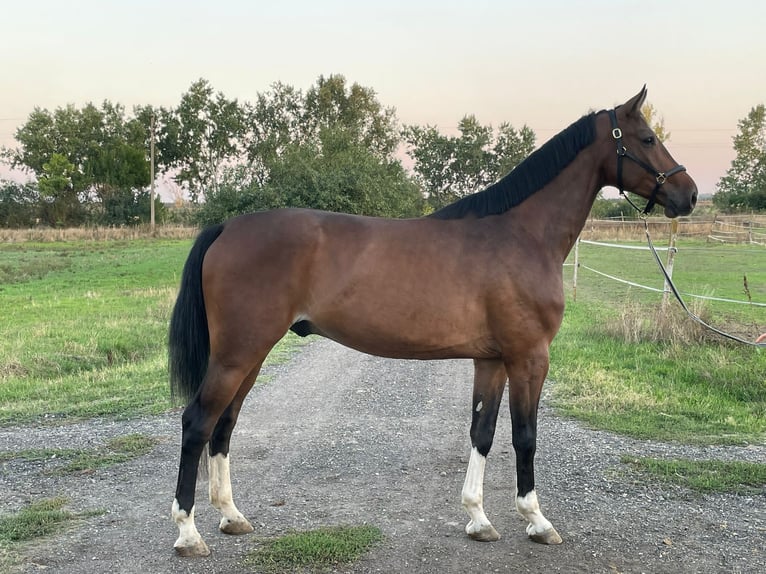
(197, 550)
(486, 534)
(235, 526)
(549, 536)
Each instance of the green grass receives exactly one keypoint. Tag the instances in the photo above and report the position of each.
(709, 393)
(116, 451)
(611, 370)
(703, 475)
(700, 268)
(84, 328)
(38, 519)
(322, 548)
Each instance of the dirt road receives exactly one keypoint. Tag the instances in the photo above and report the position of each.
(336, 437)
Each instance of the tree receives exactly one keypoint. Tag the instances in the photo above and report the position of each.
(335, 173)
(200, 137)
(331, 148)
(743, 187)
(47, 133)
(60, 205)
(18, 204)
(655, 121)
(106, 150)
(354, 110)
(237, 193)
(340, 174)
(274, 122)
(448, 168)
(285, 117)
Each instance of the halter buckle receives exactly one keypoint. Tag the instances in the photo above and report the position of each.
(616, 133)
(661, 178)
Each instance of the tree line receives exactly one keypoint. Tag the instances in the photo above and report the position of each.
(334, 146)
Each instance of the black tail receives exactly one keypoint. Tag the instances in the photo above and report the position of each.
(188, 338)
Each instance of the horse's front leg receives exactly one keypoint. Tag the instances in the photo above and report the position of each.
(488, 385)
(526, 376)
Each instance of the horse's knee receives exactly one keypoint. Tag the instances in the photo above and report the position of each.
(483, 425)
(483, 442)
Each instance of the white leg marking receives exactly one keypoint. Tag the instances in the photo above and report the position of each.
(189, 541)
(529, 508)
(479, 526)
(232, 520)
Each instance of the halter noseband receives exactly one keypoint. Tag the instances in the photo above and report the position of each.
(622, 152)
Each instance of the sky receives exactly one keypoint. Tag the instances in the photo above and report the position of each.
(543, 63)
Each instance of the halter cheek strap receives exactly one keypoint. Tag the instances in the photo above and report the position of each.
(622, 152)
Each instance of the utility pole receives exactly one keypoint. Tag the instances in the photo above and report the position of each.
(151, 175)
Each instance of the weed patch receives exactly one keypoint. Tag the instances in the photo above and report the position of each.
(116, 451)
(703, 475)
(321, 548)
(38, 519)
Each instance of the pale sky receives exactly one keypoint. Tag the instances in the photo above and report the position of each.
(542, 63)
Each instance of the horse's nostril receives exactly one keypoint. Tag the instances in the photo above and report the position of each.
(694, 198)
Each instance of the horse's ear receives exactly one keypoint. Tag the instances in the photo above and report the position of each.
(633, 105)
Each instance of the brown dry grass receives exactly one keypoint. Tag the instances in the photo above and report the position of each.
(633, 230)
(638, 324)
(45, 235)
(594, 230)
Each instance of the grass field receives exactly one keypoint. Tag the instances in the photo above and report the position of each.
(85, 324)
(84, 327)
(614, 371)
(700, 268)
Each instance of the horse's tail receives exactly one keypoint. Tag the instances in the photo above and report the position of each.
(188, 337)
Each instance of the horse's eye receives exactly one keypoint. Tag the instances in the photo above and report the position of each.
(649, 140)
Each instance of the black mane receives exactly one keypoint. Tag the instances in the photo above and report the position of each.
(532, 174)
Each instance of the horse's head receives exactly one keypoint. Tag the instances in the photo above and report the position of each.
(643, 166)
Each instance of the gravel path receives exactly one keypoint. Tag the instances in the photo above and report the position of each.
(337, 437)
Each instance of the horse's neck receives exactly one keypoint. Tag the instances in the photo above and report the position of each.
(557, 213)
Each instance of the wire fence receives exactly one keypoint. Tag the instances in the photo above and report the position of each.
(731, 277)
(579, 264)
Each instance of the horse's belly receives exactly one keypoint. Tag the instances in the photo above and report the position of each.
(400, 337)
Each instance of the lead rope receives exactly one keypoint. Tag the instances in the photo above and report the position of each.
(681, 301)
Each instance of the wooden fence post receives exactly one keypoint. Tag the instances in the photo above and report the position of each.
(669, 266)
(576, 267)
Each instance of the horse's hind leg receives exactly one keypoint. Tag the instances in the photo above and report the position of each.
(232, 520)
(489, 382)
(221, 386)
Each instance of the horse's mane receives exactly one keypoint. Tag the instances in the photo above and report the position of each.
(532, 174)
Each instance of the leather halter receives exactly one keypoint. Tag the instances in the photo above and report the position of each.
(622, 152)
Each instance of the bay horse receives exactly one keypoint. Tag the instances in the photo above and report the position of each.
(478, 279)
